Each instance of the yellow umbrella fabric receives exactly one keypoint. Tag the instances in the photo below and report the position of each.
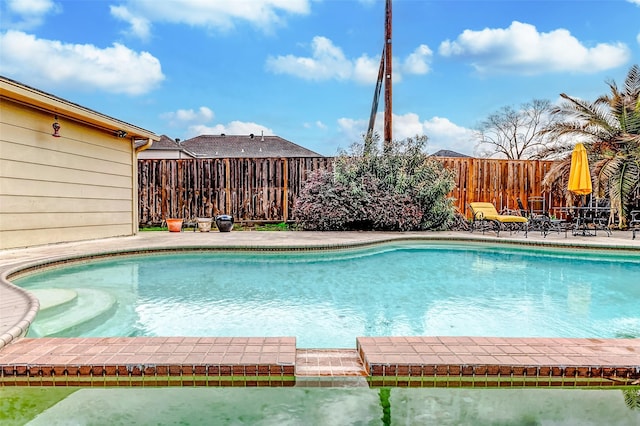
(579, 175)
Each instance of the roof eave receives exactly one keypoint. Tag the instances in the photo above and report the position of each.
(20, 93)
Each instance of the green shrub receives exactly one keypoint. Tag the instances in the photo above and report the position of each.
(400, 189)
(282, 226)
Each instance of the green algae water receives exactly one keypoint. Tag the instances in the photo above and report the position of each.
(327, 299)
(296, 406)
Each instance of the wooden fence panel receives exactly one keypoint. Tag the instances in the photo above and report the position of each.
(265, 189)
(500, 182)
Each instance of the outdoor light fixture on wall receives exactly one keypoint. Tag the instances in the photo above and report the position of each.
(56, 127)
(121, 134)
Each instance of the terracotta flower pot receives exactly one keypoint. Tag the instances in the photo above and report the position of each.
(204, 224)
(174, 225)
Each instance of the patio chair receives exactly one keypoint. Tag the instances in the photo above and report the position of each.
(485, 215)
(595, 216)
(539, 219)
(634, 222)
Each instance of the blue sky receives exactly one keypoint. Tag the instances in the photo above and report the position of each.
(305, 70)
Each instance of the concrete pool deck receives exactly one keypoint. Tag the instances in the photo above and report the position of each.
(384, 361)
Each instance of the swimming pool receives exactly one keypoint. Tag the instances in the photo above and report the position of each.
(327, 298)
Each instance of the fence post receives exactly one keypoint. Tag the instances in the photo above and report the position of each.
(227, 186)
(285, 190)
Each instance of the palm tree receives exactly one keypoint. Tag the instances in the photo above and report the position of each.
(610, 131)
(632, 398)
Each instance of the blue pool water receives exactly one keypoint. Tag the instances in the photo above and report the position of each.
(327, 299)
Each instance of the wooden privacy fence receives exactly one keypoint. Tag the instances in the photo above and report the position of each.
(500, 182)
(249, 189)
(265, 189)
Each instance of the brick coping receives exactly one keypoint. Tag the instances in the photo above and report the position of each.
(149, 361)
(420, 361)
(486, 361)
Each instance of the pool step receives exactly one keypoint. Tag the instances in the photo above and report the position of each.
(54, 301)
(61, 315)
(330, 368)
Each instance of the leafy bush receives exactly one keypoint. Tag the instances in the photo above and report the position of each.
(282, 226)
(400, 189)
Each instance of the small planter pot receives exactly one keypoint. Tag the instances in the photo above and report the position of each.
(204, 224)
(174, 225)
(224, 222)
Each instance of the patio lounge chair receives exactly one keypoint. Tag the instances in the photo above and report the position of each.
(485, 215)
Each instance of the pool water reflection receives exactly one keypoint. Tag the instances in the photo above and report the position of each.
(295, 406)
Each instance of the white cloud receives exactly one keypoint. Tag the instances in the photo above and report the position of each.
(219, 15)
(328, 62)
(638, 38)
(140, 27)
(418, 61)
(441, 133)
(28, 14)
(115, 69)
(365, 69)
(30, 7)
(405, 126)
(636, 2)
(195, 123)
(522, 49)
(232, 128)
(188, 116)
(317, 125)
(351, 130)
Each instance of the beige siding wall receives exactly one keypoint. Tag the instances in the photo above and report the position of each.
(75, 187)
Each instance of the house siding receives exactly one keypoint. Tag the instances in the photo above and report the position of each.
(53, 189)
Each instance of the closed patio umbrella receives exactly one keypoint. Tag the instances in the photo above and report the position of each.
(579, 175)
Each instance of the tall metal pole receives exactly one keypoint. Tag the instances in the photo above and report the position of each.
(388, 108)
